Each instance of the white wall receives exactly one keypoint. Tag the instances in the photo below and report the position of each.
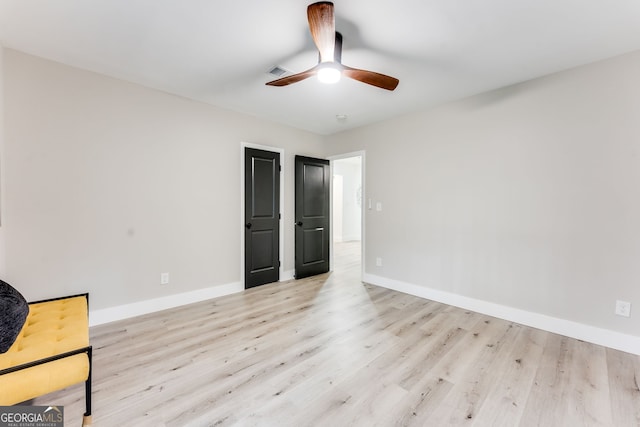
(337, 202)
(109, 184)
(526, 197)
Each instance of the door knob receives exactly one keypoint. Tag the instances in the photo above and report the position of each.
(299, 223)
(248, 225)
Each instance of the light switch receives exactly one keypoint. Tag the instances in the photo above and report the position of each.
(379, 206)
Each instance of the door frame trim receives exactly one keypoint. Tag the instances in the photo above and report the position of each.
(280, 151)
(363, 234)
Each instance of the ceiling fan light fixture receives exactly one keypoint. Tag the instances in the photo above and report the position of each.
(329, 43)
(329, 75)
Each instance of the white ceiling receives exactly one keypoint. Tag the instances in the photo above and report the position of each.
(219, 52)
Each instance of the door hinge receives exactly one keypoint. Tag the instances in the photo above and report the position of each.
(279, 216)
(279, 264)
(279, 168)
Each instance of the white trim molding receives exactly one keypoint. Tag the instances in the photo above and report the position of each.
(286, 275)
(592, 334)
(125, 311)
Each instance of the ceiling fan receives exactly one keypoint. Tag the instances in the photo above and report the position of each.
(329, 43)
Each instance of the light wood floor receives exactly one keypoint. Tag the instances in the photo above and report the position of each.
(331, 351)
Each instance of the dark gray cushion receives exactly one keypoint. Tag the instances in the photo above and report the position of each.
(13, 313)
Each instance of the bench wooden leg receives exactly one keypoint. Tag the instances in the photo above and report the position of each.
(86, 420)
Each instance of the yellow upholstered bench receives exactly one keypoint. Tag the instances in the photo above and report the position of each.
(51, 352)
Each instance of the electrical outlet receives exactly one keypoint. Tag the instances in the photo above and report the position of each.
(164, 278)
(623, 308)
(378, 262)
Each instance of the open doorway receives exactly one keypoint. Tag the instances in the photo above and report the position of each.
(347, 218)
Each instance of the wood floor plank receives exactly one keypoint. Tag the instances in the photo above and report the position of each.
(588, 398)
(473, 382)
(547, 403)
(330, 350)
(506, 402)
(624, 386)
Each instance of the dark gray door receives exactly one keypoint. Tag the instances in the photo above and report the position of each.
(262, 217)
(311, 216)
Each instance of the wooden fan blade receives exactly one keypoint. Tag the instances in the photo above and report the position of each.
(295, 78)
(371, 78)
(322, 25)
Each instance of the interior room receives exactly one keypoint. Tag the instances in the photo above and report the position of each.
(481, 163)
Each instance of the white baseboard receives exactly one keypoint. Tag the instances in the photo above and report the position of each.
(287, 275)
(126, 311)
(592, 334)
(111, 314)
